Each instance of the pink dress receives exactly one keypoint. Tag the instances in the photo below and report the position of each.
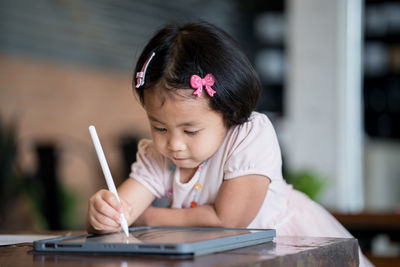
(250, 148)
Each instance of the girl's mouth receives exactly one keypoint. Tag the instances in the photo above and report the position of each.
(179, 159)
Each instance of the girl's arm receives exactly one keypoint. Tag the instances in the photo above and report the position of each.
(236, 205)
(137, 196)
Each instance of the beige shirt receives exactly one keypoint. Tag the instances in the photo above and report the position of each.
(250, 148)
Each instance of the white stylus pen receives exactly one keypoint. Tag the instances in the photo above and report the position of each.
(107, 173)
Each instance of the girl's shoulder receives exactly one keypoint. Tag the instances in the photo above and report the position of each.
(146, 149)
(258, 129)
(148, 158)
(259, 118)
(252, 148)
(145, 144)
(257, 122)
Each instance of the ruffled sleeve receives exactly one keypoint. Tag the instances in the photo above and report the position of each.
(254, 149)
(150, 169)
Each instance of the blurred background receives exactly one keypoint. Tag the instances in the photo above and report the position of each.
(331, 85)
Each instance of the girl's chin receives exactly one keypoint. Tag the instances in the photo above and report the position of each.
(185, 164)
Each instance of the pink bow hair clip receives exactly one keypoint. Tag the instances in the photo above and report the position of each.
(196, 82)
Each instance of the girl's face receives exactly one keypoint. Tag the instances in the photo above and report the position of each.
(186, 130)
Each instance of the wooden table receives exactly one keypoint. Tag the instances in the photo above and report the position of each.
(283, 251)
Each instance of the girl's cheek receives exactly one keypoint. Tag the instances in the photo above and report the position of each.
(159, 142)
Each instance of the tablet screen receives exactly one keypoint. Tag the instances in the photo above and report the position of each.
(173, 236)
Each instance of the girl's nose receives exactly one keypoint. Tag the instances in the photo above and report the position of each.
(175, 144)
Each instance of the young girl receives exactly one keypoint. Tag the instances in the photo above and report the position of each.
(215, 159)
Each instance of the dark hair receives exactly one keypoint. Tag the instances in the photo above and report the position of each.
(201, 48)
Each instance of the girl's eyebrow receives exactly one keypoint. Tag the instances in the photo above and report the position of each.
(155, 120)
(189, 123)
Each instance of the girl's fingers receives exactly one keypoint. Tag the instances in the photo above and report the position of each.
(112, 200)
(106, 221)
(104, 211)
(100, 227)
(98, 206)
(103, 208)
(120, 206)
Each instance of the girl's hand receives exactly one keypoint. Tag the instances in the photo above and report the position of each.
(104, 212)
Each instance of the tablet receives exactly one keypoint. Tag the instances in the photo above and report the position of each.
(189, 241)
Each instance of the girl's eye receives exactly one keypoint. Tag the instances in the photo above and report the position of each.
(191, 132)
(160, 129)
